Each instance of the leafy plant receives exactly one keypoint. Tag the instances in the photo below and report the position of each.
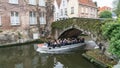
(111, 31)
(105, 14)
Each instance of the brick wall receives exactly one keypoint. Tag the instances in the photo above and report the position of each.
(22, 8)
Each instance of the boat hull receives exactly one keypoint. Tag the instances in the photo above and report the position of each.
(59, 49)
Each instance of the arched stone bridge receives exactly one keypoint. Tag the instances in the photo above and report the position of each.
(73, 27)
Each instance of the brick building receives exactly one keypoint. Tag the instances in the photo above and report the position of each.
(23, 15)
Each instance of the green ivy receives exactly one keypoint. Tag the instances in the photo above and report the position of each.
(92, 25)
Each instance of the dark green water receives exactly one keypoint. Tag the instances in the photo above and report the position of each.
(27, 57)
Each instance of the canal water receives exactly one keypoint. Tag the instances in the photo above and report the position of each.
(27, 57)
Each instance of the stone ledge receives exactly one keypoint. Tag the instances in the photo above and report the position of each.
(94, 61)
(21, 43)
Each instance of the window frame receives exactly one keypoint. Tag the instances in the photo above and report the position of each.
(32, 18)
(72, 10)
(13, 1)
(42, 3)
(42, 18)
(14, 18)
(65, 11)
(61, 12)
(32, 2)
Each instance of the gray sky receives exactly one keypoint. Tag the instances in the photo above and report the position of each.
(104, 2)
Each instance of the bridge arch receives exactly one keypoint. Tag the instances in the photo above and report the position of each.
(72, 31)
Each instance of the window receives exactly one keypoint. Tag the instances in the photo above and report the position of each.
(61, 12)
(72, 10)
(13, 1)
(0, 21)
(32, 2)
(86, 10)
(82, 10)
(57, 15)
(63, 3)
(32, 19)
(42, 18)
(41, 2)
(65, 11)
(14, 18)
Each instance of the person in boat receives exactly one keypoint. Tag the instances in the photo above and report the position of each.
(82, 40)
(49, 43)
(59, 43)
(55, 43)
(63, 42)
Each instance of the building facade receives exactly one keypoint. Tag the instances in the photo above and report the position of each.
(56, 9)
(87, 9)
(60, 9)
(19, 13)
(75, 8)
(63, 9)
(72, 8)
(25, 18)
(22, 15)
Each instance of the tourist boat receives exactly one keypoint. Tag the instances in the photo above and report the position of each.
(43, 48)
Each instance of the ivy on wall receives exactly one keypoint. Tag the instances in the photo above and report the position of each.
(88, 24)
(92, 25)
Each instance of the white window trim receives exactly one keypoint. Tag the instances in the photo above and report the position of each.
(32, 2)
(13, 1)
(65, 11)
(86, 10)
(61, 12)
(32, 19)
(82, 9)
(41, 2)
(72, 10)
(15, 19)
(42, 19)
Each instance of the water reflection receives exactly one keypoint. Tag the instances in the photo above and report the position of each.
(27, 57)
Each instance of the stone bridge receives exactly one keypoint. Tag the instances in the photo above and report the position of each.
(74, 27)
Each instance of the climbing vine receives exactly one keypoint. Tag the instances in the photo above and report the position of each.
(61, 24)
(92, 25)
